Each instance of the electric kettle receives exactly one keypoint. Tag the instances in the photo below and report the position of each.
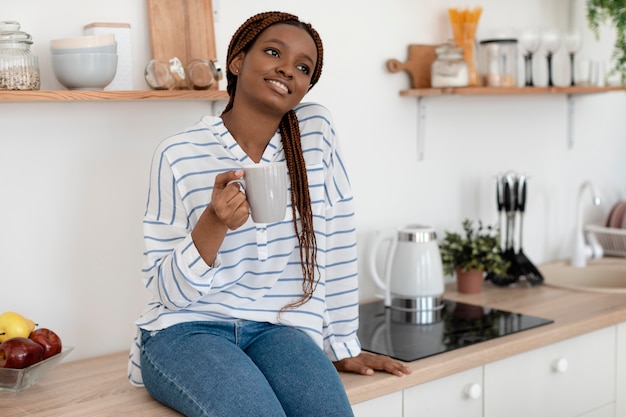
(413, 272)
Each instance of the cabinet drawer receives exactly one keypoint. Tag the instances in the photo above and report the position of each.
(568, 378)
(620, 397)
(455, 395)
(388, 405)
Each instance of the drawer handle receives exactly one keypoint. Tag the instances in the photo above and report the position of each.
(560, 365)
(473, 391)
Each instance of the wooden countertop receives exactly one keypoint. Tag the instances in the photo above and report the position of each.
(98, 386)
(574, 313)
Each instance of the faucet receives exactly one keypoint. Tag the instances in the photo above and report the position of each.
(583, 251)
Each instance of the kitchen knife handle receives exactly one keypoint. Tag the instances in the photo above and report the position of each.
(507, 196)
(499, 196)
(521, 199)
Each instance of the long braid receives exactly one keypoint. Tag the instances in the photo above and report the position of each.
(289, 128)
(300, 202)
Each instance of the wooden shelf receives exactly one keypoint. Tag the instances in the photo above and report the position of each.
(476, 91)
(422, 93)
(103, 95)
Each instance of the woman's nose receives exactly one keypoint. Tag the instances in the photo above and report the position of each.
(285, 70)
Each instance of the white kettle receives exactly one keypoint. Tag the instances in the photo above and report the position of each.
(413, 277)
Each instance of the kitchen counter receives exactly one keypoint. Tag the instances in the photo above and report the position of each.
(574, 313)
(98, 386)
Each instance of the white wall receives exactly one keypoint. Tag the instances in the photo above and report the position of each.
(73, 175)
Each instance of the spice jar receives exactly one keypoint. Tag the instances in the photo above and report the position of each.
(449, 68)
(203, 74)
(199, 74)
(19, 68)
(165, 75)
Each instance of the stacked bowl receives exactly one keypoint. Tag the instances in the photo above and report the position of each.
(85, 62)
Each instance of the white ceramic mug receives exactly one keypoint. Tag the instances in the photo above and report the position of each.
(265, 186)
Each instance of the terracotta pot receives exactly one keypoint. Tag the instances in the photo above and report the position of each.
(469, 282)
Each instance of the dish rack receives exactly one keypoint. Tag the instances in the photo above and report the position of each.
(612, 240)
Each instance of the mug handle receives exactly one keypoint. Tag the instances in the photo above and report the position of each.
(241, 183)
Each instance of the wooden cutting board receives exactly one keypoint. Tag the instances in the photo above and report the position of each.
(417, 65)
(182, 29)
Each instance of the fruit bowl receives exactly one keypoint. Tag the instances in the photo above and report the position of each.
(19, 379)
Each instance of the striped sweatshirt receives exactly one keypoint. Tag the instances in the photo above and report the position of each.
(257, 270)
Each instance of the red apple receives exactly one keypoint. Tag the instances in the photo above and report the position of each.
(49, 340)
(20, 352)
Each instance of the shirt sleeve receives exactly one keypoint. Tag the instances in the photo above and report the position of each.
(342, 296)
(173, 270)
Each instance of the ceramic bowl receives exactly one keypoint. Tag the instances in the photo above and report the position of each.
(87, 41)
(107, 49)
(84, 71)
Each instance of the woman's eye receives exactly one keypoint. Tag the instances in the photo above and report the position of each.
(272, 52)
(305, 69)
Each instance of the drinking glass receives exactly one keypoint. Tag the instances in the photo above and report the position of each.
(551, 42)
(530, 41)
(572, 42)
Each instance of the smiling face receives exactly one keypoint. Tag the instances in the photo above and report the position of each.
(275, 73)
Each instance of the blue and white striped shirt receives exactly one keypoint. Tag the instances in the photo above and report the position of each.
(257, 271)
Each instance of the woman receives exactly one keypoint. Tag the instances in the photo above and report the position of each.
(248, 319)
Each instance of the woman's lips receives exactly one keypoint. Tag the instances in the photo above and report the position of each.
(280, 85)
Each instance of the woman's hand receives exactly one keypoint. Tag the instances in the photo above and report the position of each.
(366, 363)
(228, 210)
(227, 200)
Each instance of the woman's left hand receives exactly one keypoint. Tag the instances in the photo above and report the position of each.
(366, 363)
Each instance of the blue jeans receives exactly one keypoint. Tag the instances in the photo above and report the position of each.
(241, 369)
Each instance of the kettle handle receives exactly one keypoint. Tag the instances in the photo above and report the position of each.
(382, 283)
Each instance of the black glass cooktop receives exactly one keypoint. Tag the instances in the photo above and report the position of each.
(456, 325)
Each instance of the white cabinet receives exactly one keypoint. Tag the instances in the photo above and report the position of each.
(620, 395)
(569, 378)
(584, 376)
(388, 405)
(455, 395)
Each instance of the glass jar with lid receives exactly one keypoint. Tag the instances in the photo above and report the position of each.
(203, 74)
(449, 68)
(498, 62)
(19, 68)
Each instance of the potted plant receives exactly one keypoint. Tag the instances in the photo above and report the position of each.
(472, 255)
(614, 11)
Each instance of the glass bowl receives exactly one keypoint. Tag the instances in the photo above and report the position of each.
(18, 379)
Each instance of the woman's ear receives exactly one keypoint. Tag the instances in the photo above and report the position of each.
(236, 63)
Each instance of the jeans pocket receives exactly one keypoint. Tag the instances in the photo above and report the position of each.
(147, 335)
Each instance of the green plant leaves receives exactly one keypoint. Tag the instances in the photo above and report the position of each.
(479, 248)
(613, 11)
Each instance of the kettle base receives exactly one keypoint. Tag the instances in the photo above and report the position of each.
(418, 310)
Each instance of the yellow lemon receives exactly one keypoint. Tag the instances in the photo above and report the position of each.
(13, 325)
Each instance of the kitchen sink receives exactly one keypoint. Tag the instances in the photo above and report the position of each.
(605, 275)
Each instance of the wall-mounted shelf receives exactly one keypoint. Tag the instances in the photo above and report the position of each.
(491, 91)
(570, 92)
(104, 95)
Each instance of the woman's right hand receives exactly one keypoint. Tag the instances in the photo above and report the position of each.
(228, 202)
(228, 209)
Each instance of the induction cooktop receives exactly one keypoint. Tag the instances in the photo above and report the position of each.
(453, 326)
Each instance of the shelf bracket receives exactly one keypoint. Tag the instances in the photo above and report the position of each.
(421, 127)
(571, 112)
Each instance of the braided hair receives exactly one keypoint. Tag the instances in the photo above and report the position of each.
(289, 127)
